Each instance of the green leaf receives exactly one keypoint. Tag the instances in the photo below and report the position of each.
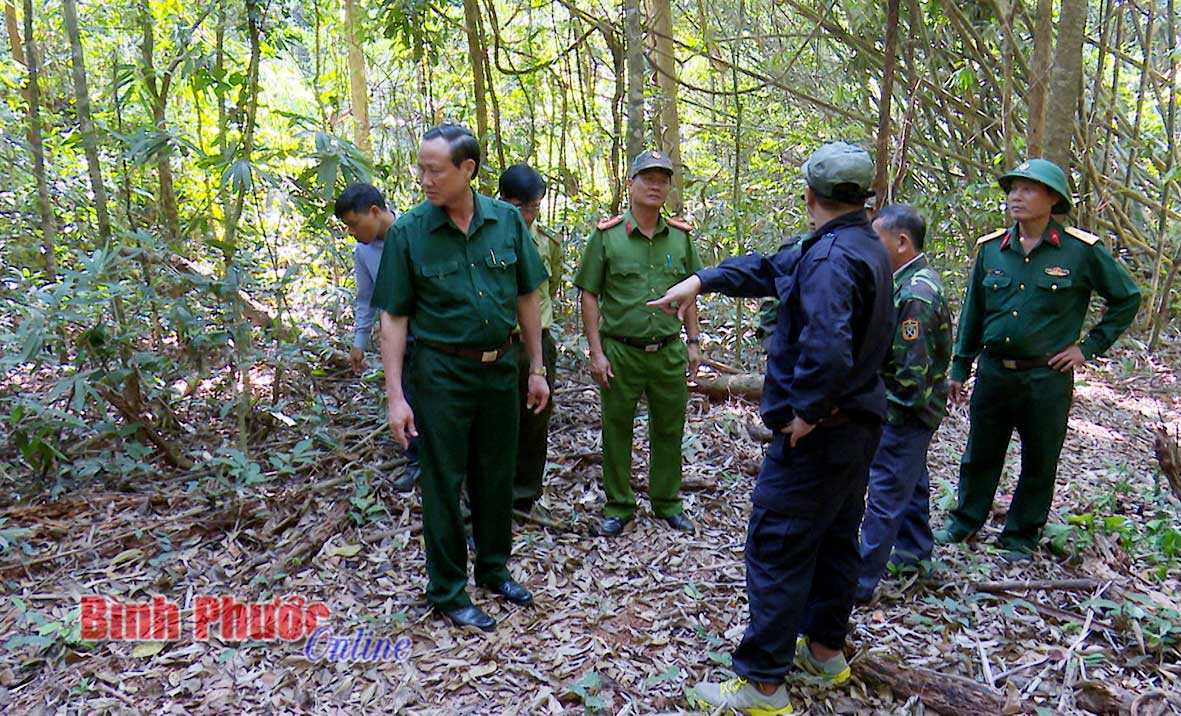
(671, 674)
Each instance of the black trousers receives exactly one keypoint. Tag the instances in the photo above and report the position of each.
(802, 556)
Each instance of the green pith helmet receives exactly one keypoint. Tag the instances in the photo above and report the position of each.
(1045, 172)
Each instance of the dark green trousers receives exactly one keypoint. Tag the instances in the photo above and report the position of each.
(659, 376)
(466, 415)
(1036, 403)
(533, 443)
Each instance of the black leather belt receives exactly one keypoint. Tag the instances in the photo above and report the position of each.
(490, 355)
(1020, 363)
(649, 345)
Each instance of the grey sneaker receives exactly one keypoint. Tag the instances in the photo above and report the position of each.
(834, 670)
(740, 695)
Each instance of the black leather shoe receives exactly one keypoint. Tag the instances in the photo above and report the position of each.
(512, 590)
(471, 616)
(405, 481)
(613, 526)
(681, 523)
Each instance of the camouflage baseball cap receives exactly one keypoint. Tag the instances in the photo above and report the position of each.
(651, 159)
(840, 171)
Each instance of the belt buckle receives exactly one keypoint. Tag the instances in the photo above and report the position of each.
(651, 347)
(1009, 363)
(489, 356)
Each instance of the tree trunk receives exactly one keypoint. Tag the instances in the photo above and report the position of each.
(37, 147)
(633, 32)
(1065, 82)
(881, 182)
(85, 123)
(157, 93)
(475, 50)
(358, 80)
(668, 133)
(1043, 43)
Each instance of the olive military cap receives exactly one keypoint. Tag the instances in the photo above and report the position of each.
(1042, 171)
(840, 171)
(651, 159)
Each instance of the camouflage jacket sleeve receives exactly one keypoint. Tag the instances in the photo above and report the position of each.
(916, 377)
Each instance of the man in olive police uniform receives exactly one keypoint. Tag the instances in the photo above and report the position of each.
(825, 402)
(897, 525)
(636, 349)
(1023, 314)
(523, 186)
(459, 271)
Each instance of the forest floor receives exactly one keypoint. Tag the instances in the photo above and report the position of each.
(620, 626)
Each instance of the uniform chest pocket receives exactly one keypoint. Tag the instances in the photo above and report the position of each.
(996, 290)
(438, 270)
(1055, 283)
(501, 261)
(996, 283)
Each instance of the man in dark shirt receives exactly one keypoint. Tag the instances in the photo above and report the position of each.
(825, 402)
(459, 271)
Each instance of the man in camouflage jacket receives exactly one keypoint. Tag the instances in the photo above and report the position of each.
(897, 513)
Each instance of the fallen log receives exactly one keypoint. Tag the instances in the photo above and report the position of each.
(1169, 457)
(722, 387)
(143, 426)
(948, 694)
(1044, 585)
(252, 309)
(311, 538)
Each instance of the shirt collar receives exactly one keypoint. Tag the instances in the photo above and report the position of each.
(853, 218)
(1051, 236)
(630, 224)
(915, 264)
(438, 215)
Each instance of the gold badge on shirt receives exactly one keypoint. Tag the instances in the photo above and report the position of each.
(1057, 271)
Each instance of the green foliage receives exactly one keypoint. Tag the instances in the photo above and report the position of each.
(366, 507)
(587, 689)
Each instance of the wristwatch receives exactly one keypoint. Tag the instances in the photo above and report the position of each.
(538, 371)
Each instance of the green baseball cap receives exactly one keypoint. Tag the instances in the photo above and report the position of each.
(1042, 171)
(840, 171)
(651, 159)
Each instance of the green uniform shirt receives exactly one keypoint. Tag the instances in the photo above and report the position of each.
(1020, 306)
(549, 247)
(916, 374)
(626, 269)
(458, 289)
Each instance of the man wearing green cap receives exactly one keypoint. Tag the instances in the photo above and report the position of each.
(459, 271)
(1023, 313)
(825, 402)
(635, 349)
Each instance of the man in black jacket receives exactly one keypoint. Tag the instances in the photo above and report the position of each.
(825, 402)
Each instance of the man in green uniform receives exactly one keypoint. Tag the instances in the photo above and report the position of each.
(522, 186)
(636, 349)
(459, 271)
(1023, 313)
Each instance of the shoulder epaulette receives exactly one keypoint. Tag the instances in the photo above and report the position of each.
(989, 237)
(548, 234)
(608, 223)
(678, 223)
(1084, 236)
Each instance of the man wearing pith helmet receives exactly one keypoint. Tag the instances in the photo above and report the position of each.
(1022, 316)
(825, 401)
